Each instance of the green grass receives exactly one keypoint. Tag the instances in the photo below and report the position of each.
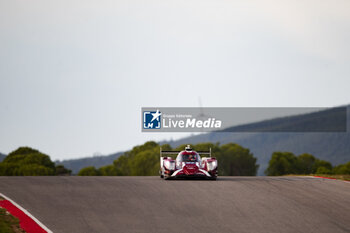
(8, 223)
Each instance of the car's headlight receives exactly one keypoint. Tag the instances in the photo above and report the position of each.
(170, 165)
(212, 165)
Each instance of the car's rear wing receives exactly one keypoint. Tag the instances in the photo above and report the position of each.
(175, 152)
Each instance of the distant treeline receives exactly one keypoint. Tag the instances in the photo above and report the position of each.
(97, 160)
(284, 163)
(233, 160)
(26, 161)
(143, 160)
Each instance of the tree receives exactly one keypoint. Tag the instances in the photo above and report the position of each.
(143, 160)
(26, 161)
(34, 170)
(342, 169)
(308, 164)
(235, 160)
(323, 170)
(140, 161)
(322, 164)
(145, 163)
(8, 169)
(122, 166)
(282, 163)
(60, 170)
(89, 171)
(23, 151)
(305, 164)
(108, 170)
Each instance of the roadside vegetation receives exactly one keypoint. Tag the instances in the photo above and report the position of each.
(286, 163)
(26, 161)
(143, 160)
(9, 223)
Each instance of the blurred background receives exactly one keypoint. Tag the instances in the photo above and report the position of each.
(74, 75)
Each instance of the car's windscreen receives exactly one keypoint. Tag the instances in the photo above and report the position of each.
(189, 158)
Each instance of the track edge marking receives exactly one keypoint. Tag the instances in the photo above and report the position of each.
(27, 213)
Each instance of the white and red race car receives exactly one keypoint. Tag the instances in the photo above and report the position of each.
(188, 164)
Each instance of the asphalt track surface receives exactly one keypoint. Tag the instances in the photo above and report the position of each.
(152, 205)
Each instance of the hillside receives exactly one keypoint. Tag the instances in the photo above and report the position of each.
(333, 147)
(98, 161)
(328, 120)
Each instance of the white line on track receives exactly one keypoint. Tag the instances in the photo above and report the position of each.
(27, 213)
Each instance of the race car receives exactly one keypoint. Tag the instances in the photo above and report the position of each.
(188, 164)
